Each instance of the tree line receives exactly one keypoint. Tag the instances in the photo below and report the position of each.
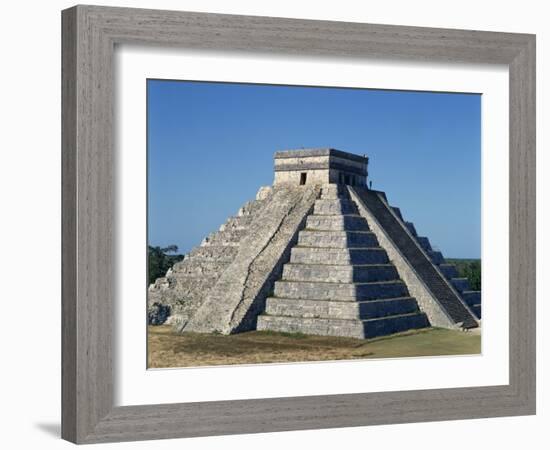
(160, 259)
(469, 268)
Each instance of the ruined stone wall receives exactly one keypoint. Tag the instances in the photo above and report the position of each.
(233, 303)
(176, 296)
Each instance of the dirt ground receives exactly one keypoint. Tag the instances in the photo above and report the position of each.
(166, 349)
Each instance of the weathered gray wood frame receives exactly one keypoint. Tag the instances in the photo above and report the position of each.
(89, 36)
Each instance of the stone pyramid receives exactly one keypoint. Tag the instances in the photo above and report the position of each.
(339, 281)
(316, 253)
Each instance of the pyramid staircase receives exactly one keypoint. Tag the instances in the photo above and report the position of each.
(339, 281)
(444, 292)
(462, 285)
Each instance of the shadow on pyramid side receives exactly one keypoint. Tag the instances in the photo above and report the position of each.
(316, 253)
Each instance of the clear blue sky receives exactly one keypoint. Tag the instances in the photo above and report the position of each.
(211, 145)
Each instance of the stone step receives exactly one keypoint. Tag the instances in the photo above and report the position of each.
(334, 191)
(340, 291)
(436, 257)
(196, 267)
(221, 253)
(226, 237)
(338, 222)
(448, 270)
(251, 207)
(324, 309)
(411, 228)
(337, 239)
(472, 297)
(460, 284)
(209, 242)
(188, 279)
(476, 310)
(446, 297)
(334, 206)
(397, 212)
(341, 327)
(312, 255)
(339, 273)
(237, 223)
(424, 243)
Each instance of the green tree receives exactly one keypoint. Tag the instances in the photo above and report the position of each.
(472, 271)
(159, 261)
(469, 268)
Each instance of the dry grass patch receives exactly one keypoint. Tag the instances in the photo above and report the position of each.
(166, 349)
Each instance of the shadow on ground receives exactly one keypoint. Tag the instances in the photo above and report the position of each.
(53, 429)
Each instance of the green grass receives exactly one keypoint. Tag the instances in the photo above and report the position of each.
(166, 349)
(281, 333)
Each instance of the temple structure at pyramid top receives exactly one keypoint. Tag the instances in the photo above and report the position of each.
(320, 166)
(318, 252)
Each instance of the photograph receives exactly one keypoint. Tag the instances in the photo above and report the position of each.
(291, 224)
(278, 224)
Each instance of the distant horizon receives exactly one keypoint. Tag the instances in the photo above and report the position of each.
(211, 146)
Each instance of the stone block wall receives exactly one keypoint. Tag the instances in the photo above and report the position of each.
(175, 297)
(238, 296)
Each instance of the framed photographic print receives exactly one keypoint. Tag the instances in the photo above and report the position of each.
(267, 222)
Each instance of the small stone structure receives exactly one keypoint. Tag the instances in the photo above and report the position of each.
(320, 166)
(316, 253)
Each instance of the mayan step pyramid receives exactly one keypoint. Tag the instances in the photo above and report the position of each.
(316, 253)
(339, 281)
